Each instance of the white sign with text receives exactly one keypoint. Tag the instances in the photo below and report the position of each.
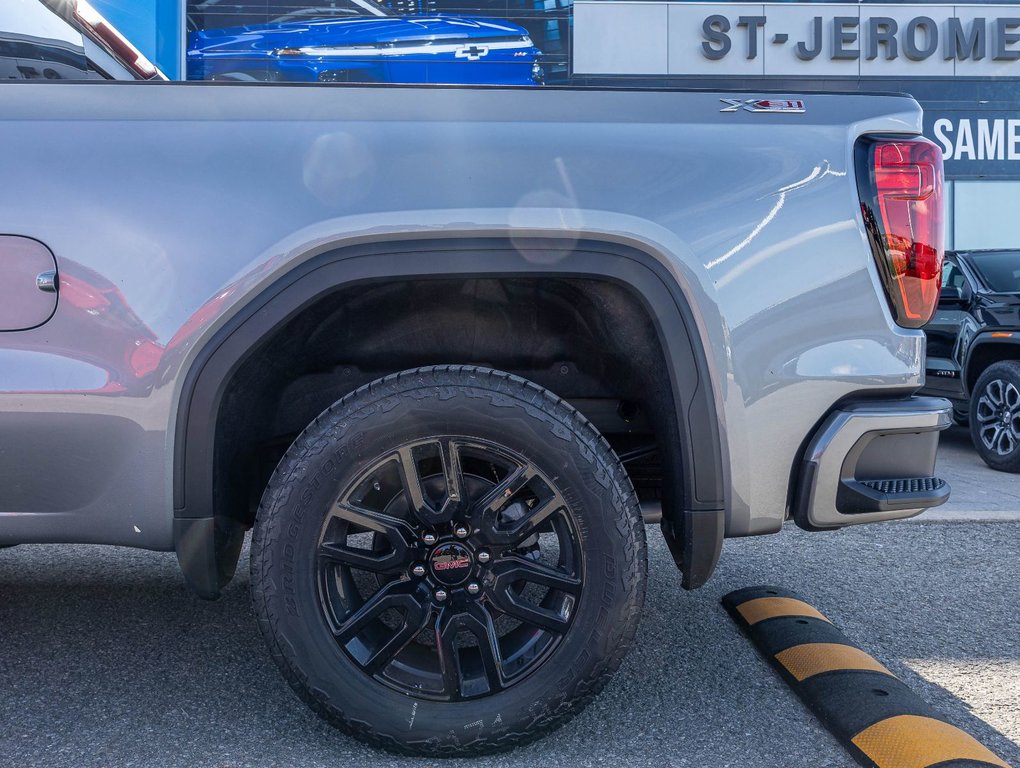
(795, 39)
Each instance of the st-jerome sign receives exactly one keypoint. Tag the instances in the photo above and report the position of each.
(796, 39)
(849, 38)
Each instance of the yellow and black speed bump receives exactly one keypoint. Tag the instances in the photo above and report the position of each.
(874, 714)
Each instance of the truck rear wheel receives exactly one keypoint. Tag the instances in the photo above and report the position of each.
(449, 561)
(995, 416)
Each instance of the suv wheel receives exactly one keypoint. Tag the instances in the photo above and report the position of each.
(995, 416)
(449, 561)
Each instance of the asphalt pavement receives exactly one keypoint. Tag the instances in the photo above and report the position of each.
(106, 659)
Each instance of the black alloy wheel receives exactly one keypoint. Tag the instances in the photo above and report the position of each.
(449, 568)
(449, 561)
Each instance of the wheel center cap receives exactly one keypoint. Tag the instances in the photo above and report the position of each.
(450, 563)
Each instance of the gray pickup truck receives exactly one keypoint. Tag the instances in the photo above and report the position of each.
(439, 348)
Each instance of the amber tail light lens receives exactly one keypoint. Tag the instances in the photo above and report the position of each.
(901, 189)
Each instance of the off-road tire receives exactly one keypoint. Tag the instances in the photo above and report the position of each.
(487, 405)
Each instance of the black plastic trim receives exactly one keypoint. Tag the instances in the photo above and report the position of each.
(983, 339)
(704, 472)
(856, 497)
(208, 549)
(695, 543)
(801, 507)
(866, 504)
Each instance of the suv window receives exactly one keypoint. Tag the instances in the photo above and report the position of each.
(952, 275)
(1000, 270)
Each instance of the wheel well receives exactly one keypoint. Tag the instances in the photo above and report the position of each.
(986, 354)
(604, 326)
(588, 341)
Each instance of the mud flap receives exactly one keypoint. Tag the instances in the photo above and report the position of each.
(695, 543)
(208, 549)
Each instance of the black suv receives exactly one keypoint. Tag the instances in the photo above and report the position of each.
(974, 350)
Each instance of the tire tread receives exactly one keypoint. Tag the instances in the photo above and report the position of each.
(596, 449)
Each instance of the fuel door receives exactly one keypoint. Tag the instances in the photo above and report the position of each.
(28, 283)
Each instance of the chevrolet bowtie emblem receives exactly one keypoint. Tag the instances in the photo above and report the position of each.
(472, 52)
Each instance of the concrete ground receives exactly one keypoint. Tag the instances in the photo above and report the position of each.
(106, 660)
(978, 492)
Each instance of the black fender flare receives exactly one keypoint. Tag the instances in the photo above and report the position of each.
(208, 545)
(983, 339)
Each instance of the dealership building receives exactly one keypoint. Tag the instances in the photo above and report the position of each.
(960, 60)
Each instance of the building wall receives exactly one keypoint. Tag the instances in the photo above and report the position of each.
(985, 214)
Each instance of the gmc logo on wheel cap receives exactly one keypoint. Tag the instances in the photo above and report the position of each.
(450, 563)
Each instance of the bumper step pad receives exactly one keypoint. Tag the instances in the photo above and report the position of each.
(912, 485)
(879, 720)
(859, 496)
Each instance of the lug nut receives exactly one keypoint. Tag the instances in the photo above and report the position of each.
(483, 557)
(429, 538)
(473, 589)
(440, 595)
(418, 570)
(461, 531)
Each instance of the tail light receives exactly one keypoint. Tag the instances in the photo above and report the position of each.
(900, 184)
(105, 33)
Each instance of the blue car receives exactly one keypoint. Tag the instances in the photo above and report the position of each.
(361, 42)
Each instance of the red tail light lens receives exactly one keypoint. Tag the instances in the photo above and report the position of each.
(100, 28)
(900, 184)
